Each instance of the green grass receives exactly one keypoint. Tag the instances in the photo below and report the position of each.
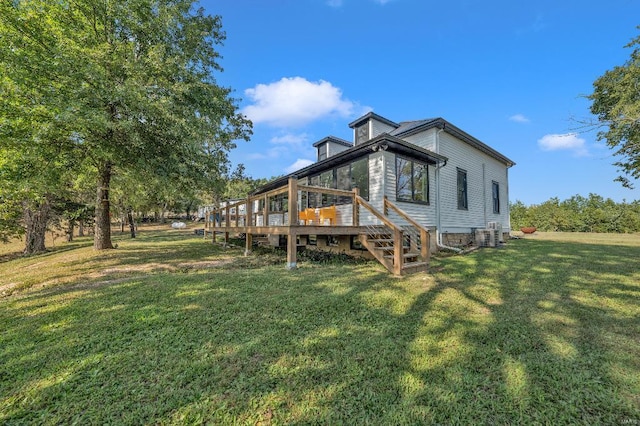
(168, 329)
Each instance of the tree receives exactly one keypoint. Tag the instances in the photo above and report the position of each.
(133, 79)
(616, 103)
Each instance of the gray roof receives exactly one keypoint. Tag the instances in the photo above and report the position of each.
(375, 117)
(409, 128)
(333, 139)
(406, 126)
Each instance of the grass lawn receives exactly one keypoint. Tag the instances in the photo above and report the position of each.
(169, 329)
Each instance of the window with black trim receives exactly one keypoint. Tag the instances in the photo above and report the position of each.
(345, 177)
(360, 177)
(463, 202)
(495, 190)
(412, 180)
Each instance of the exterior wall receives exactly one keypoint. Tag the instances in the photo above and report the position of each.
(334, 148)
(481, 171)
(426, 140)
(377, 184)
(378, 128)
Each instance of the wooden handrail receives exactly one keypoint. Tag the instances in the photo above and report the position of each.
(425, 236)
(376, 213)
(402, 214)
(321, 190)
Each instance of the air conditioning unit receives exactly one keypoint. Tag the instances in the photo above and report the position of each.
(494, 238)
(496, 226)
(483, 237)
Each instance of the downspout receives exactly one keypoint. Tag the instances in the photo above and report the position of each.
(437, 172)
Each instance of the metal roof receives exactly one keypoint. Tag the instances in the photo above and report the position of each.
(333, 139)
(375, 117)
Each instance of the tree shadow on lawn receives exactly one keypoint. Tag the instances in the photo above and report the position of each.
(499, 336)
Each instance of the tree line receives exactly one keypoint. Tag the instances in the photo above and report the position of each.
(109, 108)
(578, 214)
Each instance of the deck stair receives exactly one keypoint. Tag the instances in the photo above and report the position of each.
(402, 249)
(382, 246)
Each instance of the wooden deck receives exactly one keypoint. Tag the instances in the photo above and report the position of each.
(401, 248)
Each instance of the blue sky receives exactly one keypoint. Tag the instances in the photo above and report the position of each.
(513, 74)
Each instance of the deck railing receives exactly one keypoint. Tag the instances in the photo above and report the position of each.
(253, 215)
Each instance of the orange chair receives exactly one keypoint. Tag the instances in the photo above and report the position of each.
(302, 215)
(328, 213)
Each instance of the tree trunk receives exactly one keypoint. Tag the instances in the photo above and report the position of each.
(132, 225)
(81, 228)
(70, 229)
(35, 222)
(164, 209)
(102, 235)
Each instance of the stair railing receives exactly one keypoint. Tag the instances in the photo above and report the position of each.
(395, 230)
(417, 233)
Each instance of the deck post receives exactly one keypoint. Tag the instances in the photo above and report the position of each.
(247, 223)
(355, 218)
(424, 245)
(213, 226)
(227, 224)
(292, 235)
(397, 252)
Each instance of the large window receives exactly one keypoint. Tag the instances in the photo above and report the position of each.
(345, 177)
(360, 177)
(412, 180)
(495, 190)
(463, 202)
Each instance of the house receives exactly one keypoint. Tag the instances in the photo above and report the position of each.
(399, 191)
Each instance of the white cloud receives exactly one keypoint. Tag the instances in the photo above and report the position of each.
(299, 164)
(294, 140)
(568, 141)
(284, 145)
(295, 102)
(519, 118)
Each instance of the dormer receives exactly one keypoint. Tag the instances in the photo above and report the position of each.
(369, 126)
(331, 146)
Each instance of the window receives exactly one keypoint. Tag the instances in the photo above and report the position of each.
(343, 181)
(328, 180)
(314, 197)
(346, 178)
(463, 203)
(412, 181)
(322, 152)
(279, 203)
(495, 190)
(360, 177)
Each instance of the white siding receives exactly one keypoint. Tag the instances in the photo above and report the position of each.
(481, 171)
(376, 187)
(334, 148)
(377, 128)
(426, 140)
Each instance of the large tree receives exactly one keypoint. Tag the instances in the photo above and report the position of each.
(133, 79)
(616, 103)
